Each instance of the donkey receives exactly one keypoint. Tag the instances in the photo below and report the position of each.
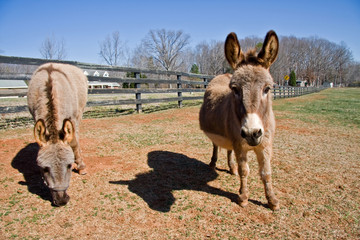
(237, 112)
(57, 97)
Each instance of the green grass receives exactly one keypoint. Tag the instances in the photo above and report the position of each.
(336, 106)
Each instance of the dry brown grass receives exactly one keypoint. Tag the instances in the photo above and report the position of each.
(148, 179)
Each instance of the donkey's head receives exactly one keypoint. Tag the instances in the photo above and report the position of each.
(251, 84)
(55, 159)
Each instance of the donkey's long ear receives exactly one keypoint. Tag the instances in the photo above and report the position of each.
(270, 49)
(233, 51)
(68, 131)
(39, 132)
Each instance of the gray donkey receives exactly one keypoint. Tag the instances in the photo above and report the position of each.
(237, 112)
(57, 97)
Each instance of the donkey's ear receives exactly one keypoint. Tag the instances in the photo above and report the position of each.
(233, 51)
(39, 132)
(270, 49)
(68, 131)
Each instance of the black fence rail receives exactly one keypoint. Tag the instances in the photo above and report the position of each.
(156, 82)
(288, 92)
(159, 82)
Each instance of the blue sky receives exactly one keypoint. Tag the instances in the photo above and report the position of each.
(25, 24)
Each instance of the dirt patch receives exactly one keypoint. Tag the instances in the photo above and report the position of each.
(148, 179)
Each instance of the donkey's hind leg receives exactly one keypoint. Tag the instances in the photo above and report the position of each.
(214, 157)
(232, 164)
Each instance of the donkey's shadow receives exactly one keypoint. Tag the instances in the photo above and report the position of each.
(25, 163)
(172, 171)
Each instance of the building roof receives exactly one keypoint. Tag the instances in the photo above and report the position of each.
(96, 73)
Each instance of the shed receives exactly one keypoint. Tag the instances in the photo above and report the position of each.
(97, 84)
(13, 84)
(300, 83)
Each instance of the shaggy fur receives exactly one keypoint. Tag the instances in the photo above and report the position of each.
(237, 112)
(57, 97)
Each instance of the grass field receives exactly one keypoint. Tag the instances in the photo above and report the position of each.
(336, 106)
(148, 178)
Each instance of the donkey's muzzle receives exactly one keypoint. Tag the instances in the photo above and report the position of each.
(253, 136)
(60, 198)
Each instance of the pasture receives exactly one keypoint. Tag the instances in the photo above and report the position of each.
(148, 179)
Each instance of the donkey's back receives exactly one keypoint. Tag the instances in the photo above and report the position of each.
(68, 90)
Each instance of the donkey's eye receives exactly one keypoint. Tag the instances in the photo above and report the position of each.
(69, 166)
(266, 90)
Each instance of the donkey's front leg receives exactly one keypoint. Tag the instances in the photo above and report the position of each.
(264, 158)
(77, 153)
(232, 163)
(214, 156)
(243, 168)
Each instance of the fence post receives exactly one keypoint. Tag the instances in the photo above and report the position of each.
(205, 81)
(279, 92)
(138, 94)
(179, 93)
(274, 93)
(283, 89)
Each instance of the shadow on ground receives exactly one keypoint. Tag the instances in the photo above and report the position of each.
(172, 171)
(25, 163)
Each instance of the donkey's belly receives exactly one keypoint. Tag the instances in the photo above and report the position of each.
(220, 140)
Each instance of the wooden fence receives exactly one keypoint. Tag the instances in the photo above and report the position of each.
(172, 82)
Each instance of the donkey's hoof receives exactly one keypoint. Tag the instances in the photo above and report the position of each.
(73, 166)
(82, 171)
(243, 203)
(234, 172)
(274, 205)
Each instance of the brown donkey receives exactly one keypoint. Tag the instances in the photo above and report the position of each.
(237, 112)
(56, 98)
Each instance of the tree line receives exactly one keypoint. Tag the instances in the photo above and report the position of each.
(313, 59)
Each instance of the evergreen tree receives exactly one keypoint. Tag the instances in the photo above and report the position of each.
(194, 69)
(292, 81)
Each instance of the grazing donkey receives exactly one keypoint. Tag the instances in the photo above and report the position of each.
(56, 98)
(237, 112)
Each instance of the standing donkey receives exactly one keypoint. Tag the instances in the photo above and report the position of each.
(56, 98)
(237, 112)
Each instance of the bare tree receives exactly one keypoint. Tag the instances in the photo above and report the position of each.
(354, 73)
(314, 59)
(112, 49)
(52, 48)
(343, 59)
(165, 47)
(140, 59)
(210, 57)
(251, 42)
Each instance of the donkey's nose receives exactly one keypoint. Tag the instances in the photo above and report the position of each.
(252, 135)
(257, 133)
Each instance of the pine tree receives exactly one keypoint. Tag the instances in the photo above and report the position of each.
(194, 69)
(292, 81)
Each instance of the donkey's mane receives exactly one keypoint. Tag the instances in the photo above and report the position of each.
(52, 114)
(251, 58)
